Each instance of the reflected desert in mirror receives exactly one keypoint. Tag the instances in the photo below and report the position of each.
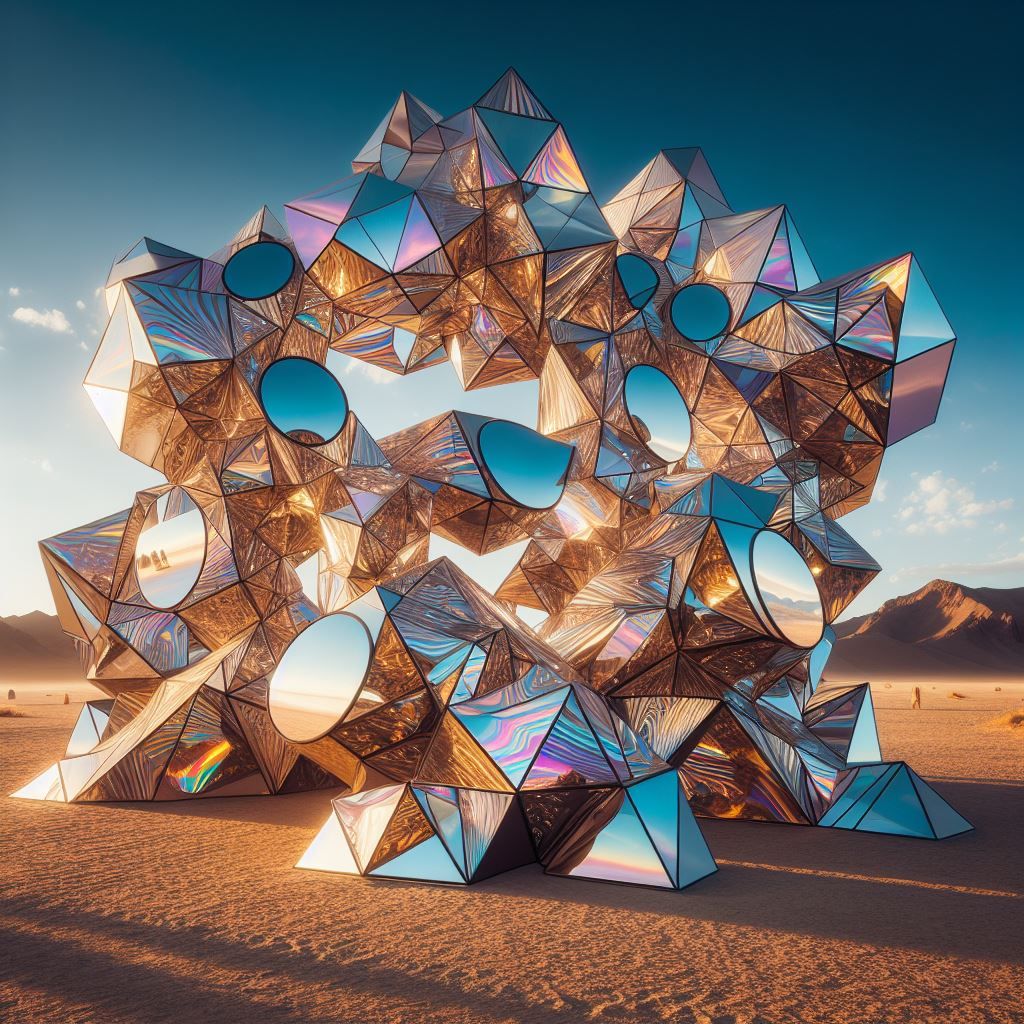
(319, 678)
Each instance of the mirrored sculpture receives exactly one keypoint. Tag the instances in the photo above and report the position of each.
(268, 620)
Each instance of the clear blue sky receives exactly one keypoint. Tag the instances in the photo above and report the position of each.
(884, 128)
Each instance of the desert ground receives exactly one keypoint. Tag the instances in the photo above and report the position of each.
(139, 914)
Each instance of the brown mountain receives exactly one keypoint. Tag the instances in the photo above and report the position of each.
(944, 630)
(33, 646)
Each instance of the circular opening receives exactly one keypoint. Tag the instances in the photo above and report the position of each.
(638, 277)
(303, 400)
(700, 312)
(529, 467)
(169, 556)
(319, 677)
(259, 270)
(658, 412)
(787, 590)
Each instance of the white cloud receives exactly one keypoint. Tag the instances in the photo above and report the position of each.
(49, 319)
(881, 488)
(376, 373)
(43, 465)
(82, 345)
(14, 292)
(79, 304)
(939, 504)
(1012, 565)
(992, 467)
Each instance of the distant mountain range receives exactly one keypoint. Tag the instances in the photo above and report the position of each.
(33, 646)
(944, 630)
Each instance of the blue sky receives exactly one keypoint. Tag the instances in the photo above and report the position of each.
(881, 129)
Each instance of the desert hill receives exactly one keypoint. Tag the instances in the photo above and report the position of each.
(943, 630)
(33, 646)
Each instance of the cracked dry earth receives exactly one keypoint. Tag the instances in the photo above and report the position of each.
(137, 914)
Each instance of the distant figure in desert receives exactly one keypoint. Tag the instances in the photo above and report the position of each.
(915, 704)
(10, 695)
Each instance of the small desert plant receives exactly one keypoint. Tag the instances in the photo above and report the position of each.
(1008, 720)
(12, 713)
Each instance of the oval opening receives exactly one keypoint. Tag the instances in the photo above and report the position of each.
(658, 411)
(700, 312)
(638, 277)
(787, 590)
(259, 270)
(303, 400)
(529, 467)
(319, 678)
(169, 555)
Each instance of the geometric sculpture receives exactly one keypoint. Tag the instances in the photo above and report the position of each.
(268, 620)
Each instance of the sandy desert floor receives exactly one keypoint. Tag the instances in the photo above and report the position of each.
(140, 914)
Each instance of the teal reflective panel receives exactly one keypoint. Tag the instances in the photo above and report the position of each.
(700, 312)
(864, 747)
(638, 277)
(428, 861)
(259, 270)
(656, 801)
(789, 596)
(319, 677)
(924, 326)
(169, 557)
(658, 412)
(622, 852)
(303, 400)
(529, 467)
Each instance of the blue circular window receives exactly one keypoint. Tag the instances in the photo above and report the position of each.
(700, 312)
(658, 412)
(259, 270)
(303, 400)
(529, 467)
(638, 277)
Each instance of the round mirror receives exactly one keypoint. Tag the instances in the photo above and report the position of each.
(529, 467)
(303, 400)
(658, 412)
(787, 590)
(638, 277)
(169, 555)
(259, 270)
(319, 677)
(700, 312)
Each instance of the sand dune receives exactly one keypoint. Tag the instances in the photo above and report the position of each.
(192, 912)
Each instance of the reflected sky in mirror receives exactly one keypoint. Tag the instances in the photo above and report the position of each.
(319, 677)
(303, 400)
(787, 589)
(259, 270)
(529, 467)
(700, 312)
(638, 277)
(658, 412)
